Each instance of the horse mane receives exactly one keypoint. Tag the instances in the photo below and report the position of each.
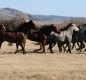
(26, 26)
(65, 28)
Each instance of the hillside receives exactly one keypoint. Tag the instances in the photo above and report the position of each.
(9, 13)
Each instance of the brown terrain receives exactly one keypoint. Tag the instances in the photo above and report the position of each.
(38, 66)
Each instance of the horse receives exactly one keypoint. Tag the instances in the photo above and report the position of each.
(14, 37)
(82, 37)
(65, 37)
(42, 34)
(24, 27)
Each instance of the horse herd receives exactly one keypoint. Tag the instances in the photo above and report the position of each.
(65, 38)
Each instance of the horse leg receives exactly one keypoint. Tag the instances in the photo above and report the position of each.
(69, 47)
(23, 47)
(44, 40)
(50, 47)
(60, 47)
(73, 45)
(16, 48)
(39, 48)
(43, 45)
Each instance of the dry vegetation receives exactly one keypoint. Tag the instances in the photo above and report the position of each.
(38, 66)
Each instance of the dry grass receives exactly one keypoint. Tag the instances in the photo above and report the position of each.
(33, 66)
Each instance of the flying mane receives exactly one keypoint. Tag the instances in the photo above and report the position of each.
(65, 28)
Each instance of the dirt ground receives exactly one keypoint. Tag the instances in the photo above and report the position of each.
(38, 66)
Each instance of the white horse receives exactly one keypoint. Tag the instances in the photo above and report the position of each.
(65, 37)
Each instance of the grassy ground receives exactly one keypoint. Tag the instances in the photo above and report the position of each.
(37, 66)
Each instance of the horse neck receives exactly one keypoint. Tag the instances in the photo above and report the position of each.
(70, 30)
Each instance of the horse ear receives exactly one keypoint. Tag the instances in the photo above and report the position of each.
(30, 21)
(71, 23)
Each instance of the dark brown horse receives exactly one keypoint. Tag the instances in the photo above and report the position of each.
(37, 34)
(14, 37)
(24, 28)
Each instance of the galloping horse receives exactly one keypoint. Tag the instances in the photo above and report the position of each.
(82, 37)
(14, 37)
(65, 37)
(42, 34)
(24, 28)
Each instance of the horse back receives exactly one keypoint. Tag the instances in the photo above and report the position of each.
(14, 37)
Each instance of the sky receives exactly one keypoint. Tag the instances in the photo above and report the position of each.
(73, 8)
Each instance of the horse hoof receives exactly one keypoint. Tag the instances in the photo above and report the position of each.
(15, 52)
(24, 53)
(51, 52)
(45, 52)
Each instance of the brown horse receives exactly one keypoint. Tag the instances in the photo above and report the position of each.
(14, 37)
(24, 27)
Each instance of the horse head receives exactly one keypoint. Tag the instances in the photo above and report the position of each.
(54, 28)
(32, 25)
(75, 28)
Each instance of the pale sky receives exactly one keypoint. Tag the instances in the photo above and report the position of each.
(74, 8)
